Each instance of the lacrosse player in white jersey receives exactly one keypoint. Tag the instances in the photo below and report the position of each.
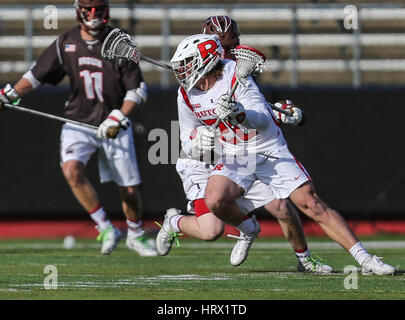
(202, 223)
(260, 152)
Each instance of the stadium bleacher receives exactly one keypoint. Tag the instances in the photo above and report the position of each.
(326, 53)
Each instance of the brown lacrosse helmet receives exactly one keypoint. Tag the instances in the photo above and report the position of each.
(92, 14)
(227, 31)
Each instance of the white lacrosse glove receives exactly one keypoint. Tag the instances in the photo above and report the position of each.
(231, 111)
(8, 95)
(296, 113)
(203, 139)
(115, 121)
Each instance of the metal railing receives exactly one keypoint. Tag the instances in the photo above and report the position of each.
(294, 40)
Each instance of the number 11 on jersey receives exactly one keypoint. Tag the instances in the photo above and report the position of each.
(93, 84)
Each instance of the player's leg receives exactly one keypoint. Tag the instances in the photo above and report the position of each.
(132, 208)
(290, 223)
(118, 163)
(77, 146)
(204, 226)
(200, 223)
(335, 226)
(74, 172)
(221, 194)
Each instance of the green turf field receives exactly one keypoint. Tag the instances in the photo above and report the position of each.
(195, 270)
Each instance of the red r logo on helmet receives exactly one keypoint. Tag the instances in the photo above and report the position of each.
(207, 47)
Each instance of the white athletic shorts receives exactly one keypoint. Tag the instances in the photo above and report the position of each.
(116, 157)
(194, 175)
(281, 171)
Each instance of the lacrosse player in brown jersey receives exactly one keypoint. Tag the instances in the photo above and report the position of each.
(205, 221)
(104, 94)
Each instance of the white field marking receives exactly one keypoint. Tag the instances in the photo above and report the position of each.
(138, 281)
(182, 277)
(383, 244)
(14, 290)
(48, 245)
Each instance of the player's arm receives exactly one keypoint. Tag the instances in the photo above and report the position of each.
(196, 139)
(47, 69)
(135, 96)
(12, 94)
(249, 107)
(117, 119)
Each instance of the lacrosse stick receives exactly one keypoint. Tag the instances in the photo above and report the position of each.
(286, 112)
(112, 132)
(119, 45)
(248, 61)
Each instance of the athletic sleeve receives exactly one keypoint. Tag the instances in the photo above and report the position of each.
(132, 80)
(188, 122)
(48, 68)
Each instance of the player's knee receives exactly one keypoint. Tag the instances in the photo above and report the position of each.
(129, 192)
(213, 232)
(316, 208)
(280, 209)
(216, 203)
(73, 174)
(212, 235)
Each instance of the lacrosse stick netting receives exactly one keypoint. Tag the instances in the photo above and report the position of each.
(119, 45)
(248, 61)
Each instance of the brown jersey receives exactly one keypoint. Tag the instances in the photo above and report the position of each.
(96, 86)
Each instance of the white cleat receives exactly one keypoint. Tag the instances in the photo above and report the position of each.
(109, 237)
(141, 245)
(312, 265)
(167, 235)
(373, 265)
(241, 249)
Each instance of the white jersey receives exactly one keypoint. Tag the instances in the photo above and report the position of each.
(197, 108)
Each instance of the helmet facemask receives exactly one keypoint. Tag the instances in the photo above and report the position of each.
(93, 16)
(194, 58)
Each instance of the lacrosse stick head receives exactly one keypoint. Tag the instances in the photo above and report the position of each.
(92, 14)
(195, 56)
(248, 62)
(119, 45)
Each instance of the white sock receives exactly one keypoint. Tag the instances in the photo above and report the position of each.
(359, 253)
(302, 256)
(100, 217)
(135, 228)
(247, 226)
(174, 222)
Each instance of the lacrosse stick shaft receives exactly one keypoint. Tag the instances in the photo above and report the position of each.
(50, 116)
(233, 89)
(286, 112)
(155, 62)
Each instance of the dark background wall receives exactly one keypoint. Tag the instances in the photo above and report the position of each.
(352, 145)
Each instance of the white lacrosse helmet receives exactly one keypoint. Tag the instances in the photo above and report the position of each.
(195, 56)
